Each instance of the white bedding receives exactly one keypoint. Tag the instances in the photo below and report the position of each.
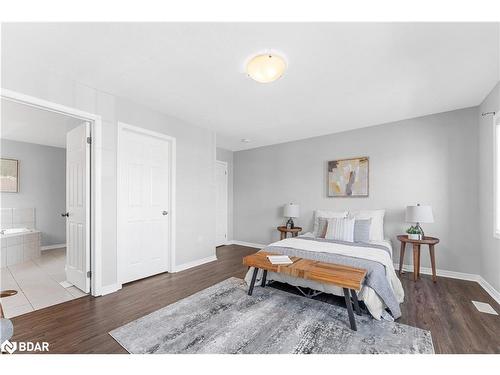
(373, 302)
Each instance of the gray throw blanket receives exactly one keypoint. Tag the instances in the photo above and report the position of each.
(375, 272)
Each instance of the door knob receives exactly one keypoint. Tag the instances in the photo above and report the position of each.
(65, 214)
(164, 213)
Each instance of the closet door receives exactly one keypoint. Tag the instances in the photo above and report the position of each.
(221, 203)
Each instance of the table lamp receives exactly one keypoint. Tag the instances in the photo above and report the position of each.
(419, 214)
(290, 211)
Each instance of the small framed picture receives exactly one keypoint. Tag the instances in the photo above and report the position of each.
(9, 175)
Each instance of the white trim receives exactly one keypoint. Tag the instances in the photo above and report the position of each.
(108, 289)
(456, 275)
(439, 272)
(226, 165)
(495, 294)
(50, 247)
(247, 244)
(496, 166)
(96, 172)
(195, 263)
(172, 198)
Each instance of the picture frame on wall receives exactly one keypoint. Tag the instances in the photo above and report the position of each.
(348, 177)
(9, 175)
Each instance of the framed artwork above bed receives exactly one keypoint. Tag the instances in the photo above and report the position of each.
(348, 177)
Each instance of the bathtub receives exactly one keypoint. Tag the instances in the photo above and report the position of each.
(18, 245)
(11, 231)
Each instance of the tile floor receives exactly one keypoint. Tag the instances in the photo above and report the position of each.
(38, 284)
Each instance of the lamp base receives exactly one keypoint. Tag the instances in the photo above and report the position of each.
(421, 231)
(289, 224)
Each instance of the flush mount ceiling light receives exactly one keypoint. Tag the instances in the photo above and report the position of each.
(266, 68)
(245, 140)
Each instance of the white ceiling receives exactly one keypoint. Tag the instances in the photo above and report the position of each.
(29, 124)
(340, 75)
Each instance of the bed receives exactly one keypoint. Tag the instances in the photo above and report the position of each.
(382, 289)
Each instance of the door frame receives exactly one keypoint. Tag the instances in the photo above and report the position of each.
(226, 165)
(95, 243)
(496, 137)
(119, 196)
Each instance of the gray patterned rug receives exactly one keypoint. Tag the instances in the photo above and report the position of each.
(224, 319)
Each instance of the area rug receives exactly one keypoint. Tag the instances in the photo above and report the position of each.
(224, 319)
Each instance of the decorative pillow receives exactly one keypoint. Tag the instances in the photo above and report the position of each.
(340, 229)
(326, 215)
(377, 225)
(322, 227)
(362, 230)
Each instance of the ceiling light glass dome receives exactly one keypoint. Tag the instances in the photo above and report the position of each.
(266, 68)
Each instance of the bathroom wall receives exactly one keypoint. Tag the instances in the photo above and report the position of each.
(42, 186)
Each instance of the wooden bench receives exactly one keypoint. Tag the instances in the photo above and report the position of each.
(348, 278)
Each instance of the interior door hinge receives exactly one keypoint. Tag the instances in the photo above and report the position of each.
(89, 140)
(89, 274)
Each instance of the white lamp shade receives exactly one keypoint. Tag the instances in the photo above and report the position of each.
(291, 210)
(419, 214)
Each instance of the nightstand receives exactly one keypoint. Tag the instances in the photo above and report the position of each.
(431, 241)
(284, 231)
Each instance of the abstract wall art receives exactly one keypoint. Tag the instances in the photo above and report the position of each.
(348, 177)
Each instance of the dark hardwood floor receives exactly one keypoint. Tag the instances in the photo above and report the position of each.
(82, 325)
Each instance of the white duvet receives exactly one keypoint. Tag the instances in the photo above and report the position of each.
(373, 302)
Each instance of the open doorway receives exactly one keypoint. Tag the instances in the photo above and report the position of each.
(45, 207)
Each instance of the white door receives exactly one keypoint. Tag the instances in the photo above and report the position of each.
(221, 203)
(145, 167)
(77, 207)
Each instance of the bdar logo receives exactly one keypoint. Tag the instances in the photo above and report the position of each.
(9, 347)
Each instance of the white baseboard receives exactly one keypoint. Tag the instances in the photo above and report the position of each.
(108, 289)
(194, 263)
(495, 294)
(456, 275)
(50, 247)
(442, 273)
(247, 244)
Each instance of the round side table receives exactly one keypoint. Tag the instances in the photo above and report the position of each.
(431, 241)
(284, 231)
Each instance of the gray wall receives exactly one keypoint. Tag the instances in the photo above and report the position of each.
(490, 246)
(195, 203)
(42, 185)
(227, 156)
(429, 160)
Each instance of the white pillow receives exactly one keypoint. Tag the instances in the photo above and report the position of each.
(326, 215)
(340, 229)
(377, 225)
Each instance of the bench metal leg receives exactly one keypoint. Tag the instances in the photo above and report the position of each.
(264, 276)
(252, 283)
(355, 301)
(348, 303)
